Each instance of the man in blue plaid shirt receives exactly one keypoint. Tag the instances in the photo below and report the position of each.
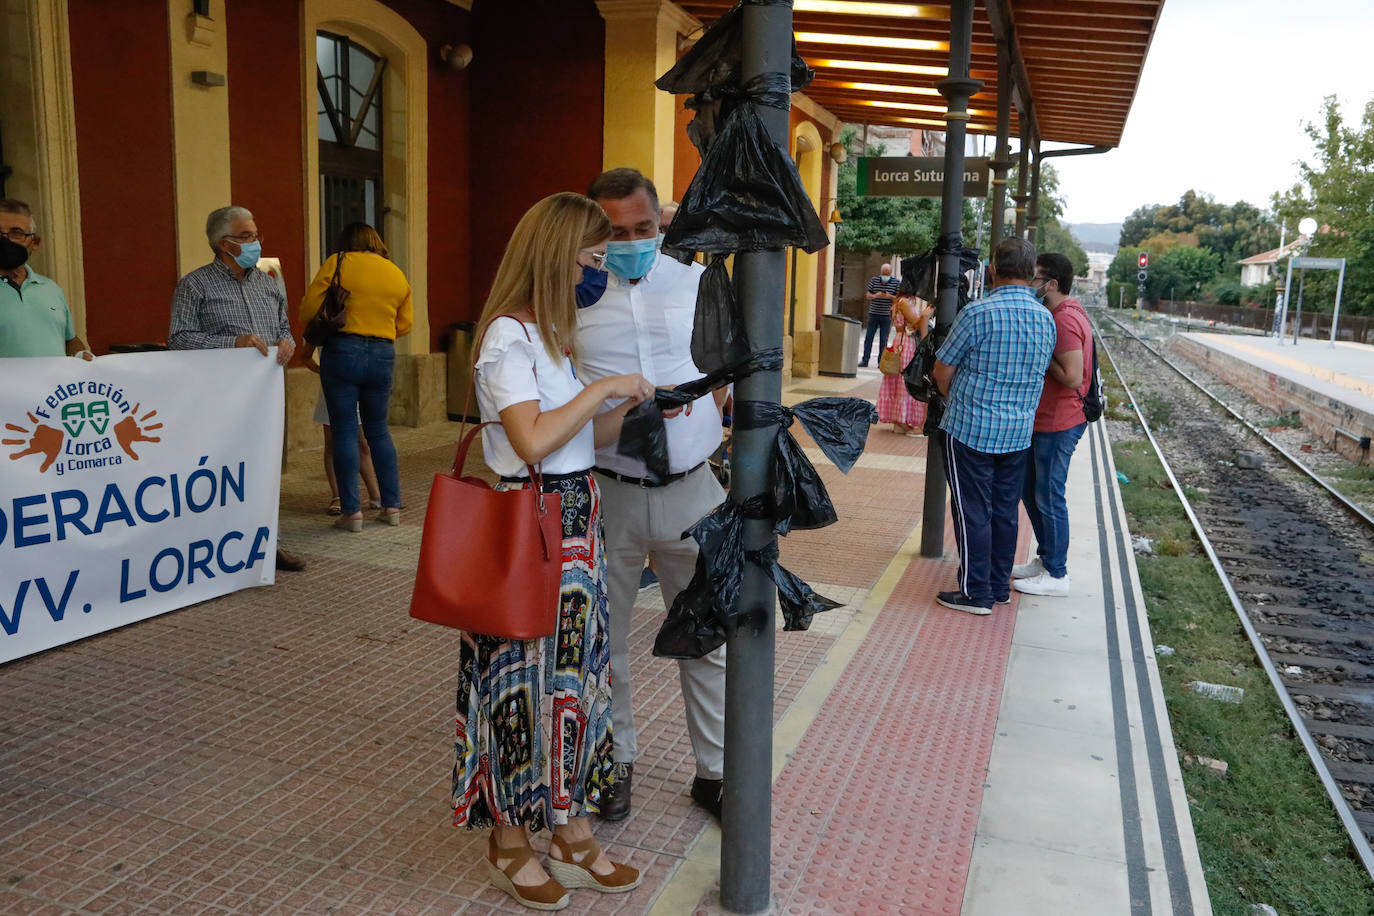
(992, 367)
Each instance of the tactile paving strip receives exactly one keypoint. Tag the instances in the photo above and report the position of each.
(876, 812)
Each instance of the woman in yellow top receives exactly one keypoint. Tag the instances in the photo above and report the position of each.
(356, 364)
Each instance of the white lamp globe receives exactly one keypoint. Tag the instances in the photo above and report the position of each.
(1307, 226)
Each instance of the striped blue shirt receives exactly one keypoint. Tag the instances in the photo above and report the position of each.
(1000, 347)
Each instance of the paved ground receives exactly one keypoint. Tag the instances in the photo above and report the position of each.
(287, 749)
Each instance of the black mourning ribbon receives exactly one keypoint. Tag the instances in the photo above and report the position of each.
(698, 620)
(747, 195)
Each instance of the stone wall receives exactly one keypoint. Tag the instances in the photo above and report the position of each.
(1321, 414)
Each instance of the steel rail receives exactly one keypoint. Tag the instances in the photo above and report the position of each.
(1333, 791)
(1331, 491)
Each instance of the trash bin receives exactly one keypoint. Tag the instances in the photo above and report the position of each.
(840, 346)
(460, 368)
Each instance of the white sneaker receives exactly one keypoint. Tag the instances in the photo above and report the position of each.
(1043, 584)
(1028, 570)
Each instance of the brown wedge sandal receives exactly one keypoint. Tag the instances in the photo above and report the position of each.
(571, 874)
(547, 896)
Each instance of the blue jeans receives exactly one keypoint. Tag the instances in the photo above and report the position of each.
(984, 491)
(356, 375)
(881, 325)
(1047, 471)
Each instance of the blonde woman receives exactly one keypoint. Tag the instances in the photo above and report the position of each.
(533, 748)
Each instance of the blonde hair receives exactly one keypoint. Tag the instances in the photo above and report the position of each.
(536, 270)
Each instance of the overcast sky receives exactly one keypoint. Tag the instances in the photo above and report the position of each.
(1227, 88)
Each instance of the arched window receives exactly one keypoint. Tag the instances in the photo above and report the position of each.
(349, 94)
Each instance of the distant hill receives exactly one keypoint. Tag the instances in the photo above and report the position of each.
(1096, 234)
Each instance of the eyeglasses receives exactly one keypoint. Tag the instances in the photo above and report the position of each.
(598, 257)
(244, 238)
(17, 235)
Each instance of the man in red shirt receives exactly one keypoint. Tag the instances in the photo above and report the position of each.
(1059, 423)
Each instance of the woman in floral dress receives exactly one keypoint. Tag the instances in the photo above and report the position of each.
(910, 322)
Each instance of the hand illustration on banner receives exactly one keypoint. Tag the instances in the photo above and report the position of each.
(128, 431)
(46, 440)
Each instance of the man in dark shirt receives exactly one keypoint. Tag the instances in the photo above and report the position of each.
(881, 289)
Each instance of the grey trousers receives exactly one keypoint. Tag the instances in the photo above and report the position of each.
(649, 521)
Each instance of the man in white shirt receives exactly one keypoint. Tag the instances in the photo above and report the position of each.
(643, 323)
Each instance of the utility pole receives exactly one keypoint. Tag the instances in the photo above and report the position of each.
(760, 278)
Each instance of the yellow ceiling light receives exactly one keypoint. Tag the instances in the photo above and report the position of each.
(872, 41)
(922, 122)
(857, 8)
(878, 67)
(885, 87)
(912, 106)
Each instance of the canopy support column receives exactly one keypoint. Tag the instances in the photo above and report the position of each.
(956, 88)
(761, 280)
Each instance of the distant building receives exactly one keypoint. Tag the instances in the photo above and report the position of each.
(1259, 269)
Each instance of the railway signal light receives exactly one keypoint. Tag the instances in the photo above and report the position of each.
(1143, 260)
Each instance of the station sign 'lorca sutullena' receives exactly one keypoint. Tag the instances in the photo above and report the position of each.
(918, 176)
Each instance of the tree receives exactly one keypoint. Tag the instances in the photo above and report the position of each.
(1229, 232)
(1139, 225)
(1336, 189)
(1052, 236)
(1050, 233)
(889, 225)
(1195, 266)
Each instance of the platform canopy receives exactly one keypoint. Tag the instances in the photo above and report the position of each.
(1075, 64)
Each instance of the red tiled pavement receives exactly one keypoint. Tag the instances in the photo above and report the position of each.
(287, 749)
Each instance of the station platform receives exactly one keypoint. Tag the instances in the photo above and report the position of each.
(287, 749)
(1330, 385)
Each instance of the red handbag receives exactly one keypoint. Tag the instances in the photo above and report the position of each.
(491, 562)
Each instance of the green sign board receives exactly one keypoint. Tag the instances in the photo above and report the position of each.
(1319, 263)
(918, 176)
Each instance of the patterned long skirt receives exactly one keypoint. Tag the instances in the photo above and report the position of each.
(534, 716)
(894, 404)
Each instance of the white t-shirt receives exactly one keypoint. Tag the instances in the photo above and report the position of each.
(512, 368)
(646, 327)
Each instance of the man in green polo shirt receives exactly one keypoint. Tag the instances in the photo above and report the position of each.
(34, 317)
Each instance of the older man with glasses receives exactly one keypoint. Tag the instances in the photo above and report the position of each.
(34, 317)
(230, 303)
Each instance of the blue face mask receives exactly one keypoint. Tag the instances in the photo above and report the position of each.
(249, 253)
(632, 260)
(591, 288)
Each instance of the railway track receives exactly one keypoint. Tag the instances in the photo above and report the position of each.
(1295, 556)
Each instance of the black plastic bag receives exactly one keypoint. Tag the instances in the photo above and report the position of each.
(746, 196)
(917, 375)
(799, 601)
(644, 436)
(840, 428)
(718, 338)
(921, 273)
(695, 624)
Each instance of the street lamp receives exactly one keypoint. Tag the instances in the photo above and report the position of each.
(1307, 227)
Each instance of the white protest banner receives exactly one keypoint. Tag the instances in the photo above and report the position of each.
(131, 486)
